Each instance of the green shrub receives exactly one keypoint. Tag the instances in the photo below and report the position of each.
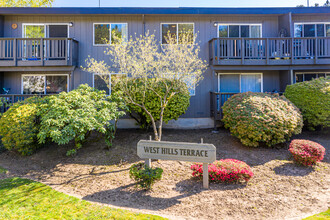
(145, 176)
(74, 115)
(313, 99)
(19, 126)
(175, 108)
(257, 118)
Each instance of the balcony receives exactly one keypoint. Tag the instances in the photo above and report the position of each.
(18, 52)
(269, 51)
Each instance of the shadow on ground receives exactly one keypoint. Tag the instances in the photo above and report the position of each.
(292, 169)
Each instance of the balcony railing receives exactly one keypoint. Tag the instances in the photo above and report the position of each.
(269, 51)
(217, 99)
(7, 100)
(38, 52)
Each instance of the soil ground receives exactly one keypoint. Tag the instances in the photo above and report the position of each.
(280, 189)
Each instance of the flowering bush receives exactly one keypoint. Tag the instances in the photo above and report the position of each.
(306, 152)
(257, 118)
(227, 170)
(313, 99)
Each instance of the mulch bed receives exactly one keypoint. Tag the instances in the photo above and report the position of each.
(280, 189)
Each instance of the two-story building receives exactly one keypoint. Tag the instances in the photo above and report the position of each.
(248, 49)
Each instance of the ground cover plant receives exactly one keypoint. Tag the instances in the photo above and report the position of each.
(26, 199)
(160, 69)
(74, 115)
(306, 152)
(226, 171)
(313, 99)
(145, 176)
(19, 126)
(261, 118)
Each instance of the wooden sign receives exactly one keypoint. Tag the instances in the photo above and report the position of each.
(181, 151)
(164, 150)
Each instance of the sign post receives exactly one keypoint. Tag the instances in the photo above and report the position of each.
(179, 151)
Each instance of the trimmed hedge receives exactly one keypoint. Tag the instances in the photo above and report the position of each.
(257, 118)
(306, 152)
(313, 99)
(19, 126)
(177, 106)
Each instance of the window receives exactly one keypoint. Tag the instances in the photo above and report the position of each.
(240, 30)
(301, 77)
(34, 31)
(44, 84)
(176, 31)
(312, 29)
(104, 81)
(107, 33)
(240, 82)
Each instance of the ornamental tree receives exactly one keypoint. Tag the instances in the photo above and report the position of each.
(26, 3)
(152, 64)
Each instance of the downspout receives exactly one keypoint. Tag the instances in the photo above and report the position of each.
(291, 76)
(143, 26)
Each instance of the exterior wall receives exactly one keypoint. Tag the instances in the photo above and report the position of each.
(1, 83)
(285, 79)
(284, 22)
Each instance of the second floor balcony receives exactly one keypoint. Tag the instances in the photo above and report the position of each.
(38, 52)
(269, 51)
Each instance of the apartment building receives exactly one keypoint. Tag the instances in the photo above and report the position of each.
(42, 50)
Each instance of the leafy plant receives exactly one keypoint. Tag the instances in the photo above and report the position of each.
(145, 176)
(176, 106)
(158, 70)
(227, 170)
(19, 126)
(313, 99)
(257, 118)
(74, 115)
(306, 152)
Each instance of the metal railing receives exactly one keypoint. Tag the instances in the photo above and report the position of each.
(263, 51)
(7, 100)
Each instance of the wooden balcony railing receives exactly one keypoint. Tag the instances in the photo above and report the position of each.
(38, 52)
(7, 100)
(269, 51)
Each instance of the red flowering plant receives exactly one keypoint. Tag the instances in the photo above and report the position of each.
(227, 171)
(306, 152)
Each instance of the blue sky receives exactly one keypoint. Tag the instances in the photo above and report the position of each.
(184, 3)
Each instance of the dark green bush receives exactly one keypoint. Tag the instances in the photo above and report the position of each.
(257, 118)
(145, 176)
(313, 99)
(74, 115)
(19, 126)
(175, 108)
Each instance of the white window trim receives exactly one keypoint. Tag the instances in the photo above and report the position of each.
(315, 23)
(47, 74)
(110, 74)
(239, 29)
(240, 74)
(303, 73)
(102, 45)
(45, 27)
(177, 30)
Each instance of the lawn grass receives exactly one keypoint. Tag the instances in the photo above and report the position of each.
(320, 216)
(3, 170)
(26, 199)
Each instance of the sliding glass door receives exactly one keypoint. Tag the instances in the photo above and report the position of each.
(240, 82)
